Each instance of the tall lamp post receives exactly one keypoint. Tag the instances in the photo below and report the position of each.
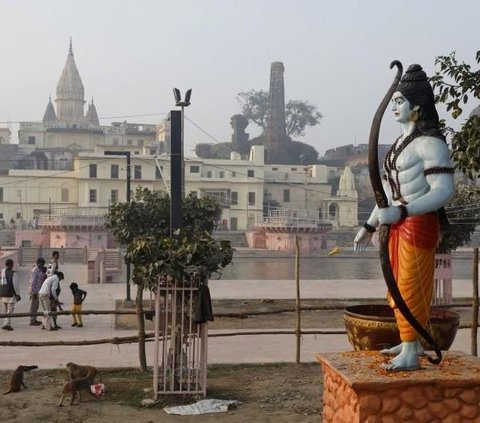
(126, 154)
(182, 104)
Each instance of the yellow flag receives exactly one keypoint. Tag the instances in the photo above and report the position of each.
(335, 250)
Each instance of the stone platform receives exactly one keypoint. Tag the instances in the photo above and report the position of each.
(358, 390)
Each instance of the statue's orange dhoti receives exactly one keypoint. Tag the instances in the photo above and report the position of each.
(412, 246)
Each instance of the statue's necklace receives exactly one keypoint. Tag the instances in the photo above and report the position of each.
(390, 164)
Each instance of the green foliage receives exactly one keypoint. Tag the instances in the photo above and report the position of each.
(466, 147)
(148, 213)
(214, 151)
(301, 153)
(143, 225)
(463, 214)
(204, 150)
(456, 83)
(299, 115)
(255, 107)
(180, 256)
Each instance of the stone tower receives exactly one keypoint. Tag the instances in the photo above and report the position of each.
(277, 140)
(70, 92)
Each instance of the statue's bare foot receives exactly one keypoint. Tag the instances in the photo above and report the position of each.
(408, 359)
(397, 349)
(420, 349)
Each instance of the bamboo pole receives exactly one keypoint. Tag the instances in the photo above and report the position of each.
(298, 330)
(279, 332)
(115, 341)
(69, 312)
(475, 303)
(149, 337)
(240, 315)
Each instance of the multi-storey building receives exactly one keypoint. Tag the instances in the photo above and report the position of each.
(59, 172)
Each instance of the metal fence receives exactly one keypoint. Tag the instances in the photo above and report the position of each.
(180, 353)
(442, 289)
(29, 255)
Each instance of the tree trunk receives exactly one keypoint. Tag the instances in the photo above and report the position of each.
(141, 329)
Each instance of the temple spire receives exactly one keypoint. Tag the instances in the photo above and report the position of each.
(49, 116)
(70, 92)
(92, 116)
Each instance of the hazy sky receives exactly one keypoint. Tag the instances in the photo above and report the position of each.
(131, 54)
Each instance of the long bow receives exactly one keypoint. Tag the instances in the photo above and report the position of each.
(384, 230)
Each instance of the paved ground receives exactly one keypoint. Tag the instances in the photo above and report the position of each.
(251, 348)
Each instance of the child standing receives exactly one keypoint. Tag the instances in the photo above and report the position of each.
(78, 297)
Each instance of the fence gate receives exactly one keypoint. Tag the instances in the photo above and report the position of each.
(180, 362)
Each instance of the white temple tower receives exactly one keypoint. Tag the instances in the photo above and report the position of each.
(346, 186)
(70, 92)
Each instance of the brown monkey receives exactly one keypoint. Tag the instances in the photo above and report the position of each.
(78, 385)
(76, 371)
(16, 381)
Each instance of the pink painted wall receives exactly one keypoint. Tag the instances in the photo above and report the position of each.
(59, 239)
(256, 239)
(285, 241)
(36, 237)
(77, 239)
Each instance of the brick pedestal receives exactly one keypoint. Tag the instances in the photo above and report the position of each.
(357, 390)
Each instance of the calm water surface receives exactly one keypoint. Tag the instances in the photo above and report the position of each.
(321, 268)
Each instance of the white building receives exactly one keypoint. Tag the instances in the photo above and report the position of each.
(65, 125)
(60, 166)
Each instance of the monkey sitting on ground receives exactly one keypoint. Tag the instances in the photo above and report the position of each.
(76, 371)
(16, 381)
(78, 385)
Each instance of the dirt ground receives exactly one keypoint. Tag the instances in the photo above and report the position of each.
(282, 393)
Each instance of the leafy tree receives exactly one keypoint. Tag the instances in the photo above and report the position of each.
(143, 226)
(299, 115)
(255, 107)
(301, 153)
(456, 83)
(463, 216)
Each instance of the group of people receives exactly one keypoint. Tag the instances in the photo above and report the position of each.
(44, 290)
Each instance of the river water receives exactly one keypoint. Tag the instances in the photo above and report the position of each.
(278, 268)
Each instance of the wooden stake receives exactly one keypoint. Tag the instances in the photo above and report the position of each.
(475, 303)
(298, 330)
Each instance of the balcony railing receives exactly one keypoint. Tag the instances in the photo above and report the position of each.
(92, 217)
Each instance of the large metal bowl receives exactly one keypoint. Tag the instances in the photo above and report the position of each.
(373, 327)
